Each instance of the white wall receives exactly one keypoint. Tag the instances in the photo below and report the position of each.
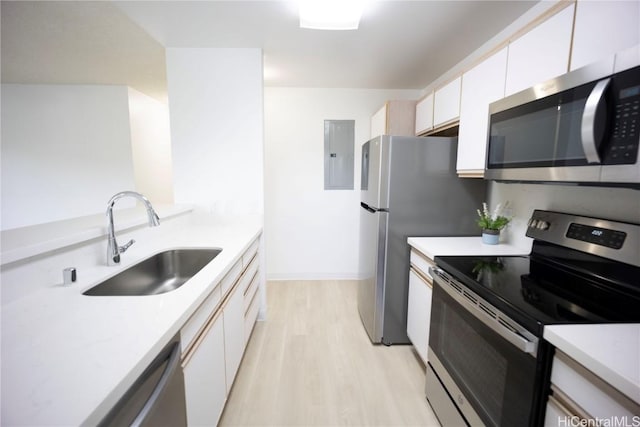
(216, 110)
(608, 203)
(312, 233)
(151, 147)
(65, 151)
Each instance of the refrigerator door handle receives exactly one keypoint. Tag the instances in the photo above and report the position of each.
(367, 207)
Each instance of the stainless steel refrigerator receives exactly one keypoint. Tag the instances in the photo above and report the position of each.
(409, 187)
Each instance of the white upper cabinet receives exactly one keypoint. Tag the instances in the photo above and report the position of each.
(394, 118)
(446, 103)
(481, 85)
(603, 28)
(379, 122)
(424, 115)
(540, 54)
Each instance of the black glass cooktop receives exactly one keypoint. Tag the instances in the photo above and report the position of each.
(553, 285)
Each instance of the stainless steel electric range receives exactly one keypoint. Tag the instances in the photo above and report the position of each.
(488, 363)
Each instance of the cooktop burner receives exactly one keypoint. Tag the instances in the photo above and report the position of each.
(556, 284)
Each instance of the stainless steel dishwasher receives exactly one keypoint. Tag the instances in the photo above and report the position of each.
(157, 397)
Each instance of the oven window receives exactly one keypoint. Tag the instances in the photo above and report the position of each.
(497, 379)
(471, 367)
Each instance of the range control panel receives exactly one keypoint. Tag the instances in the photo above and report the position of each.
(599, 236)
(615, 240)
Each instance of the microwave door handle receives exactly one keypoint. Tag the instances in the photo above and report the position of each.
(588, 131)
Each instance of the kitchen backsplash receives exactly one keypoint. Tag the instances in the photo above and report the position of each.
(619, 204)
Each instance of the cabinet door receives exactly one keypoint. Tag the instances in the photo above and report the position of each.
(424, 115)
(586, 393)
(401, 118)
(204, 377)
(418, 313)
(540, 54)
(556, 414)
(603, 28)
(233, 334)
(379, 122)
(480, 86)
(446, 103)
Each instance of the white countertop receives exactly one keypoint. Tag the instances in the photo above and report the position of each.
(67, 358)
(442, 246)
(610, 351)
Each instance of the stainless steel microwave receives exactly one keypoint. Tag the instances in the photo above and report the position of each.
(582, 127)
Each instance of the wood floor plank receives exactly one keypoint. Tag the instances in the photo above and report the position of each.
(311, 364)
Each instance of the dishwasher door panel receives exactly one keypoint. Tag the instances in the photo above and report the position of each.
(157, 397)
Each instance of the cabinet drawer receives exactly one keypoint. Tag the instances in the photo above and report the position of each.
(422, 263)
(231, 277)
(247, 277)
(251, 289)
(585, 394)
(249, 253)
(251, 315)
(197, 322)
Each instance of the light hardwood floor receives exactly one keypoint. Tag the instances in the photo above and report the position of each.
(311, 363)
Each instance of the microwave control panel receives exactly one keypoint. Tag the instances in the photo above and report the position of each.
(625, 137)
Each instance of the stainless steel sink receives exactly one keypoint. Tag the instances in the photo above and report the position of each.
(158, 274)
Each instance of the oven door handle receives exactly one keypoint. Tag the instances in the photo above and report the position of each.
(486, 313)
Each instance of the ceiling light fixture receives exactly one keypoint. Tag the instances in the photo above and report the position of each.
(330, 14)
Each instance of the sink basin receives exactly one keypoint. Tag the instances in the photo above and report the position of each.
(158, 274)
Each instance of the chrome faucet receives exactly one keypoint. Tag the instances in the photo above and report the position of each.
(113, 250)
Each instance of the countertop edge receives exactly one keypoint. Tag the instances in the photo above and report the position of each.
(559, 336)
(463, 246)
(92, 227)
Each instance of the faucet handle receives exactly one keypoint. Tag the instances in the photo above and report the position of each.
(126, 246)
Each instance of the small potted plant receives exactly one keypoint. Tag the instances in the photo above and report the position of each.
(492, 223)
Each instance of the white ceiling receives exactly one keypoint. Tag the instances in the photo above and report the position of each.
(399, 45)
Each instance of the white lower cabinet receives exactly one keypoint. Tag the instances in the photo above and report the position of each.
(580, 397)
(233, 334)
(419, 303)
(251, 301)
(419, 311)
(204, 376)
(214, 340)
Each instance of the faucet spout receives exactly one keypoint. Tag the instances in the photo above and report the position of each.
(113, 250)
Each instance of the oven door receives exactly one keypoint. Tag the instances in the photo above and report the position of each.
(486, 362)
